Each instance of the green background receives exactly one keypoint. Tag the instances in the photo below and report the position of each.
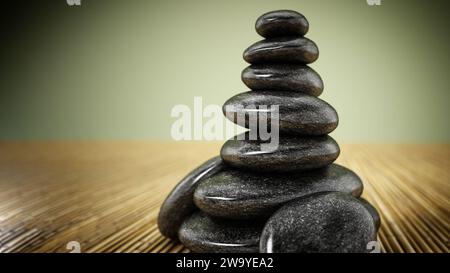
(114, 69)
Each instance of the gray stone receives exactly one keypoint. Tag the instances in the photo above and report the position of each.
(298, 113)
(283, 77)
(282, 50)
(281, 23)
(204, 234)
(244, 195)
(293, 153)
(179, 203)
(323, 222)
(373, 211)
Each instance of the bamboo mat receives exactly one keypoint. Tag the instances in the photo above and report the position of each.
(106, 195)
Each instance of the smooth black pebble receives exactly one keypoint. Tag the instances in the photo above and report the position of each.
(298, 113)
(179, 203)
(281, 23)
(283, 77)
(204, 234)
(323, 222)
(282, 50)
(244, 195)
(291, 153)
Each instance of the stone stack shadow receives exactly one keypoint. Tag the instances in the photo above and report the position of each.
(289, 199)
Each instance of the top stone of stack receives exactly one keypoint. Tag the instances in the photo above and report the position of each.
(279, 62)
(281, 23)
(285, 43)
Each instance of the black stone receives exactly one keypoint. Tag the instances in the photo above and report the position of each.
(283, 77)
(291, 154)
(244, 195)
(179, 203)
(323, 222)
(298, 113)
(373, 211)
(281, 23)
(204, 234)
(282, 50)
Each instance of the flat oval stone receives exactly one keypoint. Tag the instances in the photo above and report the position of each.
(281, 23)
(293, 153)
(298, 113)
(204, 234)
(282, 50)
(323, 222)
(179, 203)
(239, 194)
(283, 77)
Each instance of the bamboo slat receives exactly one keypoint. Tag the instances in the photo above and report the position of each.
(106, 195)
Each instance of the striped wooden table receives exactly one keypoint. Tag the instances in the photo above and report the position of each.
(106, 195)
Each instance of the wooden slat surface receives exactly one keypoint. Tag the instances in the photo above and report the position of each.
(106, 195)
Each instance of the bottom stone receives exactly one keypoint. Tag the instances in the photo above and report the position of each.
(323, 222)
(204, 234)
(320, 222)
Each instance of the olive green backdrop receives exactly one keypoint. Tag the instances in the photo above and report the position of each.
(114, 69)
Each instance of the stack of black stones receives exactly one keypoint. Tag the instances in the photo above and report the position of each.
(291, 199)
